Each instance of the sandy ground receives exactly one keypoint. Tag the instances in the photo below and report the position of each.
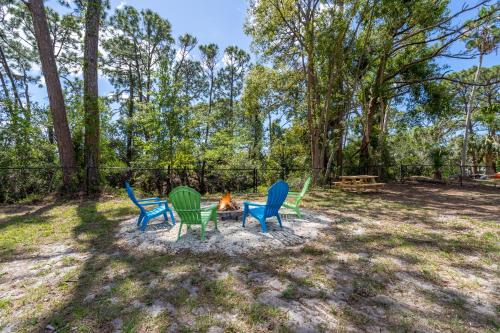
(230, 238)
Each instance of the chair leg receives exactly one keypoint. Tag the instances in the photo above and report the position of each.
(244, 217)
(299, 215)
(172, 216)
(165, 216)
(144, 224)
(279, 220)
(215, 220)
(139, 220)
(179, 233)
(263, 226)
(202, 232)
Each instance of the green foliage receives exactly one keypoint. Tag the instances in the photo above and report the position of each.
(335, 84)
(437, 156)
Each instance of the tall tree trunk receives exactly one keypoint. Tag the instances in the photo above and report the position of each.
(489, 155)
(8, 72)
(473, 153)
(364, 154)
(270, 123)
(463, 159)
(375, 101)
(489, 160)
(231, 103)
(27, 108)
(7, 99)
(6, 95)
(312, 122)
(383, 149)
(130, 115)
(327, 124)
(91, 96)
(207, 128)
(55, 93)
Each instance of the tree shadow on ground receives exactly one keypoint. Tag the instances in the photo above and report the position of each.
(30, 214)
(480, 203)
(312, 288)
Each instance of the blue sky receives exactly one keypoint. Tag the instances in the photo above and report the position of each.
(211, 21)
(459, 64)
(221, 22)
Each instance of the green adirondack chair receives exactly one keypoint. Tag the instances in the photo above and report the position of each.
(297, 198)
(186, 203)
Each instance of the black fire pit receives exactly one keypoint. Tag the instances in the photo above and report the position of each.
(226, 215)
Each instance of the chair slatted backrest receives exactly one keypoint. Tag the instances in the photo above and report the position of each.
(131, 195)
(276, 195)
(306, 187)
(307, 183)
(186, 202)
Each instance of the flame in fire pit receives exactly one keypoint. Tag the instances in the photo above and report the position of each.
(226, 203)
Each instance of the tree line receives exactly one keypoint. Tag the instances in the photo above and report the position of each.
(334, 83)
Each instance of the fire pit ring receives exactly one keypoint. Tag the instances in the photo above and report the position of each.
(225, 215)
(228, 209)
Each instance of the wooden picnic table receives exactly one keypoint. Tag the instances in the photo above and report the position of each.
(359, 183)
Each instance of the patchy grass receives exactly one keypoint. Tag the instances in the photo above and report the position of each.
(407, 259)
(259, 313)
(291, 293)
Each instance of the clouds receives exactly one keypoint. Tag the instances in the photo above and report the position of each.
(181, 53)
(121, 5)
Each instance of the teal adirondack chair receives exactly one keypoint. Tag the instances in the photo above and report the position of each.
(187, 203)
(276, 195)
(297, 198)
(146, 215)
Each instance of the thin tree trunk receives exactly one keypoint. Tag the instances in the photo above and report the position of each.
(269, 119)
(311, 118)
(329, 163)
(6, 94)
(129, 118)
(11, 111)
(473, 153)
(8, 72)
(326, 124)
(210, 102)
(91, 96)
(55, 93)
(231, 97)
(463, 159)
(207, 128)
(364, 154)
(374, 104)
(27, 108)
(489, 156)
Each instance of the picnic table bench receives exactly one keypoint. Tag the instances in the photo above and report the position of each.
(359, 183)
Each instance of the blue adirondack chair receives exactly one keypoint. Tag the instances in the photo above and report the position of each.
(276, 195)
(146, 215)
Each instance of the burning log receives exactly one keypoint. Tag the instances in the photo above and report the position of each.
(226, 203)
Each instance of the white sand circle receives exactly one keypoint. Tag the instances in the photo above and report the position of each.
(231, 237)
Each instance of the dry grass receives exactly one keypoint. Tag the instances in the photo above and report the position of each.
(407, 259)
